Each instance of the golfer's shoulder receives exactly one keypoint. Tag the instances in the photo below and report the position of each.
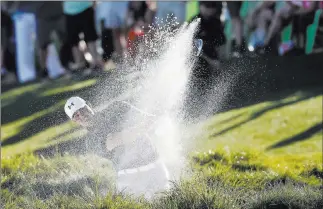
(108, 112)
(116, 107)
(109, 118)
(121, 104)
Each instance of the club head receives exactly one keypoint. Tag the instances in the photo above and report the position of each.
(198, 45)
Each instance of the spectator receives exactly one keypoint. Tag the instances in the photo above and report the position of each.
(238, 45)
(49, 18)
(107, 42)
(285, 15)
(137, 14)
(5, 29)
(259, 20)
(80, 19)
(167, 10)
(6, 33)
(151, 11)
(140, 15)
(114, 15)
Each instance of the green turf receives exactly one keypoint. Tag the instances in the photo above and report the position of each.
(33, 115)
(282, 137)
(270, 126)
(241, 152)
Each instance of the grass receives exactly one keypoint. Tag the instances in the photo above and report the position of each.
(33, 117)
(266, 124)
(269, 142)
(266, 155)
(73, 87)
(69, 182)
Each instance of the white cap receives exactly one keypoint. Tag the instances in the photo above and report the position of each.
(73, 104)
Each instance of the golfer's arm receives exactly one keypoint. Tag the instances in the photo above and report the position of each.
(138, 110)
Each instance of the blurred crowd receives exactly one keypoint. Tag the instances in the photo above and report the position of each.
(90, 36)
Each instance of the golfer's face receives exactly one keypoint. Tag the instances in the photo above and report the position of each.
(83, 117)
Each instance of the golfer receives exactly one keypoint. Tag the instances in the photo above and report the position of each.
(139, 168)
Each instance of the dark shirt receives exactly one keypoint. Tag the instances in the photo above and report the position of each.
(113, 120)
(137, 10)
(6, 22)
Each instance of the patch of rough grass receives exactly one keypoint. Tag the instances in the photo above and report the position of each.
(247, 169)
(201, 192)
(88, 182)
(196, 193)
(14, 201)
(121, 201)
(30, 178)
(61, 182)
(289, 196)
(62, 201)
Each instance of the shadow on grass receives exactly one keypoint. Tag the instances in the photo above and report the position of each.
(247, 167)
(29, 104)
(276, 105)
(232, 118)
(70, 131)
(317, 173)
(299, 137)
